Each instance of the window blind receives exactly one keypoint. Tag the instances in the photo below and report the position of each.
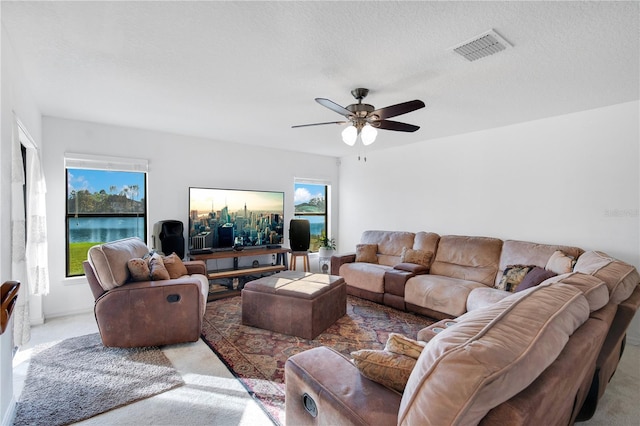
(101, 162)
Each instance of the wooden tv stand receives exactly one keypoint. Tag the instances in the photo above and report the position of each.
(240, 272)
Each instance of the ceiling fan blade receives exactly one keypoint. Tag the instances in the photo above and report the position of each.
(398, 109)
(334, 107)
(395, 125)
(319, 124)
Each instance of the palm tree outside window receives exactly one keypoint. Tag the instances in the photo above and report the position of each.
(102, 206)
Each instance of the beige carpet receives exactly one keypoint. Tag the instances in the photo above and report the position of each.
(212, 396)
(620, 405)
(78, 378)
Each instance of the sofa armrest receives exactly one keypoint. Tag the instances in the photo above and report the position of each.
(429, 332)
(414, 268)
(395, 281)
(340, 394)
(92, 279)
(196, 267)
(340, 259)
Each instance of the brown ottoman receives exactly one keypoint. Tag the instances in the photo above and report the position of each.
(296, 303)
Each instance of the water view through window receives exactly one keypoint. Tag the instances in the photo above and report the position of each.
(104, 229)
(310, 204)
(102, 206)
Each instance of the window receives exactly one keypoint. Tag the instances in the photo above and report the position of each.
(104, 203)
(310, 202)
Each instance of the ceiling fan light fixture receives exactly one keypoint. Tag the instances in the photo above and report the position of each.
(365, 119)
(368, 134)
(349, 135)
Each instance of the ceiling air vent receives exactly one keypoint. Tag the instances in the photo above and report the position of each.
(480, 46)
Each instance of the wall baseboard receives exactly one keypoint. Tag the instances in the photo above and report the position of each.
(10, 415)
(68, 313)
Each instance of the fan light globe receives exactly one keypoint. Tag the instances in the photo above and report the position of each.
(368, 134)
(349, 135)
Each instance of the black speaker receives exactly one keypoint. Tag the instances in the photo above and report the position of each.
(299, 234)
(170, 235)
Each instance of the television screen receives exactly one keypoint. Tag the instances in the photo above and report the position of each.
(224, 218)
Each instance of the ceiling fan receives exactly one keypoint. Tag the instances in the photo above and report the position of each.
(364, 119)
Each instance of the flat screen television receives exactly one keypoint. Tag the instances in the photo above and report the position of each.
(228, 218)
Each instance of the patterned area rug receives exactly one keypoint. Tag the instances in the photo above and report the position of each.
(257, 357)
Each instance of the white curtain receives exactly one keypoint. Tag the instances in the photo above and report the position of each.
(29, 261)
(37, 256)
(21, 323)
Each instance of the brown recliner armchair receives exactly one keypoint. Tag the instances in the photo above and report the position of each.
(144, 313)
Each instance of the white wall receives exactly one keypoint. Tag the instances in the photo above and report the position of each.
(570, 179)
(175, 163)
(16, 97)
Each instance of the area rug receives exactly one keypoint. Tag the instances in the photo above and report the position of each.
(78, 378)
(257, 357)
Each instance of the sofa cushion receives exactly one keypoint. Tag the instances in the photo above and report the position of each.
(485, 296)
(390, 244)
(387, 368)
(620, 277)
(560, 263)
(157, 268)
(400, 344)
(527, 253)
(591, 262)
(427, 241)
(439, 293)
(468, 258)
(419, 257)
(593, 288)
(512, 277)
(367, 253)
(174, 266)
(109, 260)
(534, 277)
(366, 276)
(491, 354)
(139, 269)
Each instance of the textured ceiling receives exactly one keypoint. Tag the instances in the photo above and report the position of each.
(247, 71)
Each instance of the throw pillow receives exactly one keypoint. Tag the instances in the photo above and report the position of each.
(139, 269)
(388, 369)
(174, 266)
(367, 253)
(420, 257)
(402, 345)
(534, 277)
(512, 277)
(156, 266)
(560, 263)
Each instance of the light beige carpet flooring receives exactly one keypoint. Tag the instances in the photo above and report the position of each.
(212, 395)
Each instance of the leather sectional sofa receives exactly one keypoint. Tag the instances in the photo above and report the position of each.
(543, 355)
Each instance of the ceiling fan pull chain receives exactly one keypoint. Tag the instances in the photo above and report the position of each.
(362, 155)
